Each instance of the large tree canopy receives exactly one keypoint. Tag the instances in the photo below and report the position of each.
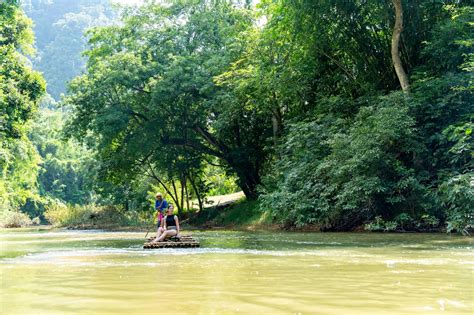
(149, 95)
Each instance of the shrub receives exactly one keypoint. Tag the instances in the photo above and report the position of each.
(341, 175)
(59, 214)
(13, 219)
(403, 222)
(429, 221)
(379, 225)
(457, 197)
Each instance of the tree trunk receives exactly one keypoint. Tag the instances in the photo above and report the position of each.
(277, 125)
(248, 181)
(168, 191)
(248, 173)
(176, 196)
(397, 31)
(196, 190)
(277, 121)
(187, 194)
(180, 210)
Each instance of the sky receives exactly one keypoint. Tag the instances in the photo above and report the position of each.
(134, 2)
(130, 2)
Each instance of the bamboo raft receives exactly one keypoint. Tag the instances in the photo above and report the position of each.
(184, 241)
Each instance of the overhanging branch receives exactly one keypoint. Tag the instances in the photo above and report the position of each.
(192, 144)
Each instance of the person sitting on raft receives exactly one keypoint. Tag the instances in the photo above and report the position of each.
(170, 226)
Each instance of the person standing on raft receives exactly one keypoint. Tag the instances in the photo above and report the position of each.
(160, 206)
(170, 226)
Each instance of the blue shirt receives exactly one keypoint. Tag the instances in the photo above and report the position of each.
(163, 206)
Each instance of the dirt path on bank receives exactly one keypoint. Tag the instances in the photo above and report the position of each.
(221, 200)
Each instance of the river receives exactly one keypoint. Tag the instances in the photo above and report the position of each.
(98, 272)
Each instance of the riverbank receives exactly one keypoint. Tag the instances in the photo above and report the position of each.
(236, 215)
(248, 215)
(231, 212)
(243, 215)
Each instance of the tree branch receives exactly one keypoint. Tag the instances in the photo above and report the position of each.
(210, 139)
(192, 144)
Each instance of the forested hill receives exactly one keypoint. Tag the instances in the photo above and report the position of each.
(59, 26)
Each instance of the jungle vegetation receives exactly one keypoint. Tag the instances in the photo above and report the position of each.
(331, 113)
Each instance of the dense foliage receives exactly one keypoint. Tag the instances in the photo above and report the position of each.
(362, 149)
(38, 169)
(300, 94)
(20, 91)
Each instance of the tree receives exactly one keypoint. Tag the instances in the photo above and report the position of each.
(20, 87)
(67, 170)
(339, 173)
(149, 91)
(20, 91)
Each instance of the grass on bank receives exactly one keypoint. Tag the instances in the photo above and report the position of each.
(243, 213)
(92, 216)
(16, 219)
(238, 215)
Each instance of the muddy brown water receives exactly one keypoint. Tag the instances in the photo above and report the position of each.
(97, 272)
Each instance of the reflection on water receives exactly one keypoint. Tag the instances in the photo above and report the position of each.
(96, 272)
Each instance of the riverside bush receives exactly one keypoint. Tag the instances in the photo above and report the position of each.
(342, 175)
(457, 198)
(60, 214)
(14, 219)
(403, 222)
